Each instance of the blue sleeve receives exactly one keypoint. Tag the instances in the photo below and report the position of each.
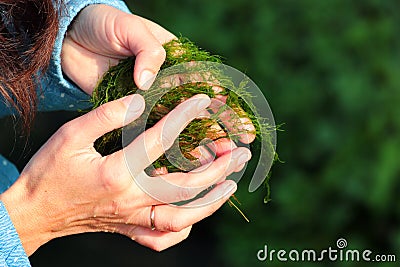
(11, 251)
(56, 92)
(12, 254)
(8, 174)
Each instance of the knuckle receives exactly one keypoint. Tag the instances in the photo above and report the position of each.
(66, 132)
(109, 181)
(154, 137)
(166, 139)
(107, 114)
(184, 194)
(159, 53)
(161, 136)
(104, 114)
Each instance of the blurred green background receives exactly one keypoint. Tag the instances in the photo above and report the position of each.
(331, 73)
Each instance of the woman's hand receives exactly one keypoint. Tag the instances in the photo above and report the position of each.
(69, 188)
(101, 35)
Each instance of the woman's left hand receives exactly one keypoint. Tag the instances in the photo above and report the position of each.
(101, 35)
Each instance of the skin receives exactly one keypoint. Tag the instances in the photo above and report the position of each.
(50, 199)
(120, 35)
(124, 35)
(54, 196)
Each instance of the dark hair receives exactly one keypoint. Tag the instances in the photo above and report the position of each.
(27, 33)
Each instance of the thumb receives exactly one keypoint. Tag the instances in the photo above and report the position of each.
(149, 52)
(104, 119)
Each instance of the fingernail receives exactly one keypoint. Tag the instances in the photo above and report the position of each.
(201, 102)
(242, 156)
(239, 157)
(135, 104)
(146, 79)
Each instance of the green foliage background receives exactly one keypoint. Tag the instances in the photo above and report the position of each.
(331, 73)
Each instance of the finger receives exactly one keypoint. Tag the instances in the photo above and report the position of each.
(241, 125)
(159, 171)
(222, 146)
(85, 129)
(206, 154)
(149, 53)
(151, 144)
(175, 219)
(176, 187)
(234, 119)
(158, 240)
(203, 155)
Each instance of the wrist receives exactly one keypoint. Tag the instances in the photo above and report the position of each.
(24, 217)
(37, 217)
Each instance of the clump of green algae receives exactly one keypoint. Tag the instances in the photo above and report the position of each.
(118, 82)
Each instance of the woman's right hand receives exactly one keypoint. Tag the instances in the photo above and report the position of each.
(69, 188)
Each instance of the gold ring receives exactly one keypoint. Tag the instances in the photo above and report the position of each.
(153, 226)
